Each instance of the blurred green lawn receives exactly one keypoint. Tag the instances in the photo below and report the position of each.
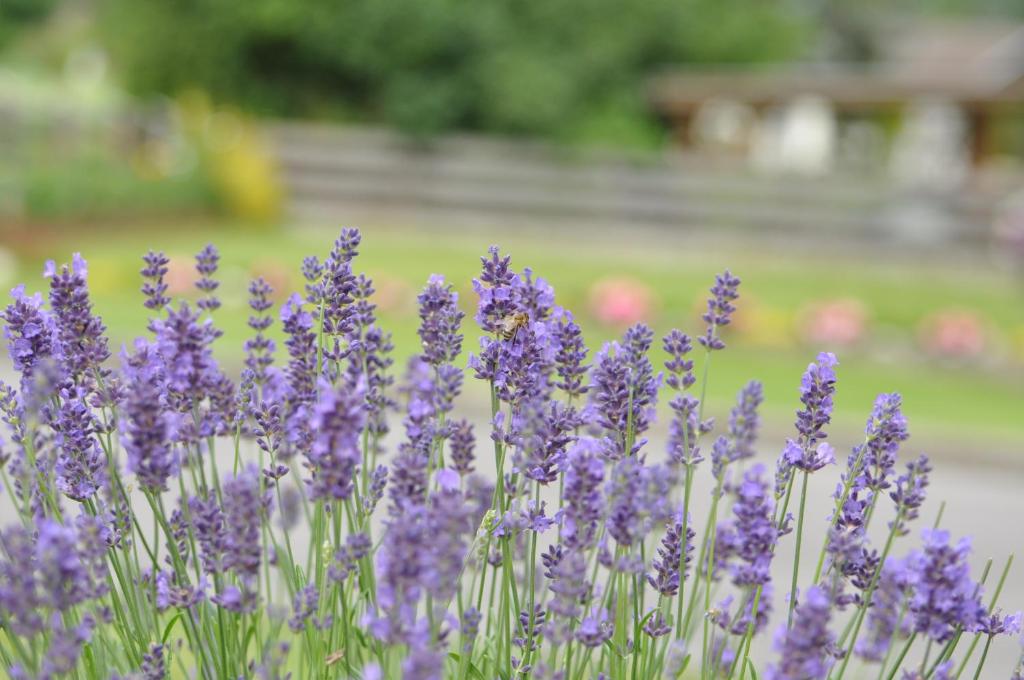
(957, 407)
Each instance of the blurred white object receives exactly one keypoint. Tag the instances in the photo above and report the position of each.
(799, 138)
(930, 152)
(723, 124)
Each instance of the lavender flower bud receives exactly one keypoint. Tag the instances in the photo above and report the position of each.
(720, 309)
(206, 266)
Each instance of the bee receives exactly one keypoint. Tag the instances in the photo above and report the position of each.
(512, 324)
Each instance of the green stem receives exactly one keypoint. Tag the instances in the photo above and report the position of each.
(796, 556)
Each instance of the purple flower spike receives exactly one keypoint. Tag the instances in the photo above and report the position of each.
(582, 494)
(909, 493)
(808, 647)
(243, 510)
(82, 347)
(748, 541)
(884, 618)
(744, 421)
(147, 429)
(666, 577)
(570, 355)
(29, 330)
(944, 597)
(259, 349)
(206, 266)
(720, 309)
(154, 287)
(805, 452)
(338, 420)
(886, 428)
(680, 369)
(440, 318)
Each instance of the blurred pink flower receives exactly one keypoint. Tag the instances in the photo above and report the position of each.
(953, 333)
(181, 275)
(840, 322)
(621, 301)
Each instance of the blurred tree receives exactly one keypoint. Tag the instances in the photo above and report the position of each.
(18, 14)
(573, 69)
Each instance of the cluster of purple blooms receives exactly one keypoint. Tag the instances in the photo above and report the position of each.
(172, 519)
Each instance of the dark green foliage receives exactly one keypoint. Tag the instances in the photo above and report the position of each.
(561, 68)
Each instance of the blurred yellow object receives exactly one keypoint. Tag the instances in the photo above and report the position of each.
(1017, 343)
(763, 326)
(236, 157)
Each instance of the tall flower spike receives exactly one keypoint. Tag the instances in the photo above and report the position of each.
(909, 493)
(243, 510)
(584, 504)
(81, 466)
(259, 349)
(79, 334)
(677, 346)
(751, 536)
(440, 318)
(720, 309)
(146, 427)
(570, 355)
(666, 577)
(206, 266)
(338, 419)
(808, 647)
(808, 451)
(886, 620)
(154, 287)
(886, 428)
(744, 421)
(494, 288)
(945, 598)
(29, 331)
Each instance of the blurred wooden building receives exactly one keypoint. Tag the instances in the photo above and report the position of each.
(977, 67)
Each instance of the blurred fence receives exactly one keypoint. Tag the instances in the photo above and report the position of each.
(342, 173)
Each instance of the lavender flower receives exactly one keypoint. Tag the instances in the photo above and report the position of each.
(945, 597)
(494, 287)
(637, 497)
(440, 318)
(909, 493)
(666, 576)
(462, 442)
(303, 607)
(749, 540)
(808, 646)
(338, 419)
(582, 494)
(210, 531)
(79, 336)
(720, 309)
(744, 421)
(80, 469)
(808, 452)
(29, 330)
(885, 618)
(886, 428)
(154, 288)
(146, 428)
(243, 508)
(153, 665)
(259, 349)
(570, 355)
(206, 266)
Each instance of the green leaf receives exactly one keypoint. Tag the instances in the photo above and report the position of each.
(753, 671)
(167, 630)
(474, 672)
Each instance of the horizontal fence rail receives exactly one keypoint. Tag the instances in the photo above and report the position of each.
(334, 172)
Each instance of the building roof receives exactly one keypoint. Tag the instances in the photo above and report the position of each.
(971, 62)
